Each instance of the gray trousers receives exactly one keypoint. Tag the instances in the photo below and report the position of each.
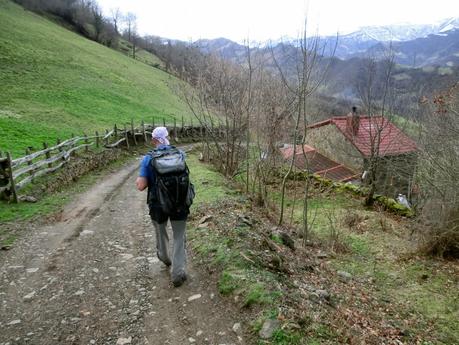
(179, 249)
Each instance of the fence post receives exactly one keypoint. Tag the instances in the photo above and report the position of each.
(164, 122)
(126, 136)
(115, 131)
(47, 154)
(97, 139)
(10, 173)
(86, 141)
(106, 137)
(29, 162)
(153, 123)
(133, 132)
(175, 129)
(73, 145)
(58, 141)
(144, 133)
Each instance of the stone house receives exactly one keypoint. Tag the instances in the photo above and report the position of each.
(355, 140)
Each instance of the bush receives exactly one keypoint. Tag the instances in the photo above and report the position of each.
(437, 175)
(441, 237)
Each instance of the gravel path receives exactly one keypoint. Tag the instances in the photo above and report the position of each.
(93, 278)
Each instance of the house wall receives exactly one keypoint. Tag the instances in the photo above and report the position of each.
(395, 174)
(329, 141)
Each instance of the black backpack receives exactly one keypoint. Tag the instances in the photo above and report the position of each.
(173, 190)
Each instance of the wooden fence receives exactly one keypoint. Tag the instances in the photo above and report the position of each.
(15, 174)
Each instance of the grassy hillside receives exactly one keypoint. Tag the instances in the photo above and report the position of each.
(54, 83)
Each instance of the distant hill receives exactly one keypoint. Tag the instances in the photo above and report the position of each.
(54, 82)
(339, 91)
(222, 46)
(433, 50)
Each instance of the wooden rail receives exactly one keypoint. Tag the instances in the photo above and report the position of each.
(17, 173)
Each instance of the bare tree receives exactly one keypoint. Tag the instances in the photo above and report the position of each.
(310, 72)
(378, 95)
(98, 21)
(130, 20)
(116, 16)
(438, 172)
(219, 103)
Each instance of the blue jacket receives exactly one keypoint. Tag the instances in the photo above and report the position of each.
(147, 172)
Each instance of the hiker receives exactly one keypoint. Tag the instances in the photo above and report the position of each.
(161, 169)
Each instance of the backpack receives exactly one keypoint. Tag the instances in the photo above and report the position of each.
(174, 191)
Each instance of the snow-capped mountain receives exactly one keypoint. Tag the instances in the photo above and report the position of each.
(359, 41)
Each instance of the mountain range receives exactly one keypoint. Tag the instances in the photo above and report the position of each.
(358, 42)
(412, 45)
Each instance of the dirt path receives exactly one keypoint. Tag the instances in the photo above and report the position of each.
(93, 278)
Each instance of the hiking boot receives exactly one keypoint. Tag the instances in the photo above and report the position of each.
(179, 279)
(166, 262)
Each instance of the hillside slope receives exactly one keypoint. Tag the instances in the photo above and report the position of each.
(54, 83)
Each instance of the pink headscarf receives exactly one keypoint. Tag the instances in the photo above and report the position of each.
(160, 134)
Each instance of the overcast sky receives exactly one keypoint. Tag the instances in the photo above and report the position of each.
(261, 20)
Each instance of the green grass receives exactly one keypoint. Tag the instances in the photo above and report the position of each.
(54, 83)
(52, 202)
(208, 183)
(283, 337)
(225, 248)
(258, 293)
(228, 282)
(421, 289)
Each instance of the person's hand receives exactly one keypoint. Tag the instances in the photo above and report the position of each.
(141, 183)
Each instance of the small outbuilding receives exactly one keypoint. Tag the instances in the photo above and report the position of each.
(307, 158)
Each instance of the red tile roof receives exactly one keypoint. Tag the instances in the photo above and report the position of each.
(318, 164)
(392, 140)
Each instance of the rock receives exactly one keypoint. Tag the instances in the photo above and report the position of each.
(32, 270)
(323, 294)
(28, 198)
(344, 276)
(29, 296)
(14, 322)
(205, 219)
(191, 340)
(237, 328)
(123, 341)
(79, 292)
(321, 255)
(203, 225)
(127, 256)
(87, 232)
(199, 333)
(269, 326)
(194, 297)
